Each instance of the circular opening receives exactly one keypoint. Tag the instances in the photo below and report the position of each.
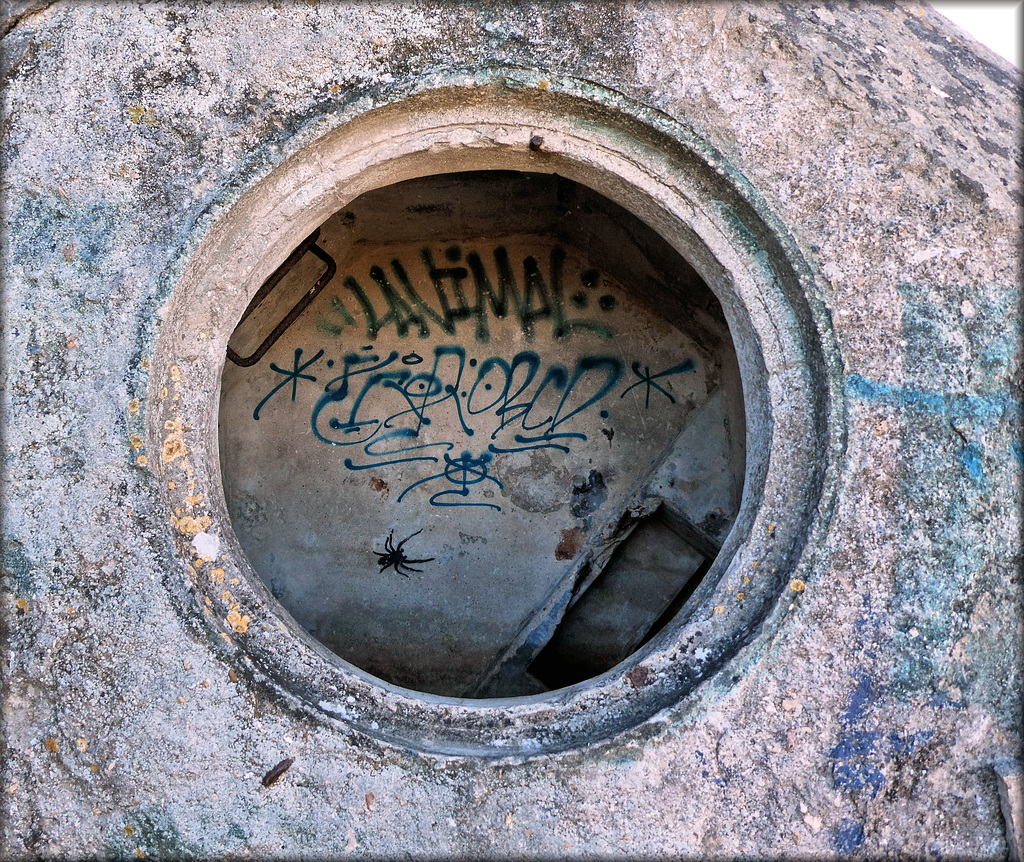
(618, 221)
(481, 433)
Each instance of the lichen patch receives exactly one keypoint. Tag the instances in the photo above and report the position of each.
(174, 443)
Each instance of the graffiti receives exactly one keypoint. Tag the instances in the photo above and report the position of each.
(398, 303)
(384, 409)
(463, 472)
(446, 412)
(292, 377)
(648, 379)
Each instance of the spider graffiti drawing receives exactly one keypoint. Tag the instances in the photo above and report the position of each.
(394, 555)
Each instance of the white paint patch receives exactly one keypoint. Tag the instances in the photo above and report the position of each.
(206, 546)
(333, 707)
(925, 254)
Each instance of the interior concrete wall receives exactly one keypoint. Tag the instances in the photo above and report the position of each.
(877, 708)
(316, 509)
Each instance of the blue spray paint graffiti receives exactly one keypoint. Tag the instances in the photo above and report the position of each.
(382, 407)
(977, 409)
(462, 472)
(860, 755)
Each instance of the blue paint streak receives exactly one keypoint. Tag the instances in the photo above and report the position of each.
(859, 755)
(903, 743)
(971, 458)
(849, 836)
(854, 743)
(856, 752)
(976, 408)
(858, 775)
(860, 700)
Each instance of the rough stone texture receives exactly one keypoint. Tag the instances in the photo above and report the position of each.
(868, 714)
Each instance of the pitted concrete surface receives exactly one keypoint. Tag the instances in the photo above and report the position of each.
(867, 715)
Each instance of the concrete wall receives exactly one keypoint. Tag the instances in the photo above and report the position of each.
(482, 381)
(845, 180)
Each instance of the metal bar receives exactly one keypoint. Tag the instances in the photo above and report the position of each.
(307, 245)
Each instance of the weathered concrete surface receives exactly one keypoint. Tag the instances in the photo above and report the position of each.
(867, 716)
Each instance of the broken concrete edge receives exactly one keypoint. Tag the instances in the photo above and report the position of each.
(14, 12)
(1010, 774)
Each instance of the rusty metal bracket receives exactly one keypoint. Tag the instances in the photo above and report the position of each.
(307, 245)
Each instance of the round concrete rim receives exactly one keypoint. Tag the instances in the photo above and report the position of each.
(683, 190)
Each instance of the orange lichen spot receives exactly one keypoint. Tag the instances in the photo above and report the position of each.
(234, 582)
(163, 391)
(217, 576)
(135, 441)
(746, 580)
(141, 114)
(543, 85)
(172, 486)
(754, 564)
(191, 526)
(94, 768)
(206, 683)
(719, 609)
(81, 743)
(238, 622)
(174, 443)
(797, 586)
(51, 744)
(72, 342)
(226, 637)
(142, 461)
(175, 374)
(133, 405)
(129, 829)
(181, 699)
(21, 605)
(739, 596)
(144, 363)
(140, 852)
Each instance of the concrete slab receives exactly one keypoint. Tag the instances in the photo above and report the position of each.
(844, 179)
